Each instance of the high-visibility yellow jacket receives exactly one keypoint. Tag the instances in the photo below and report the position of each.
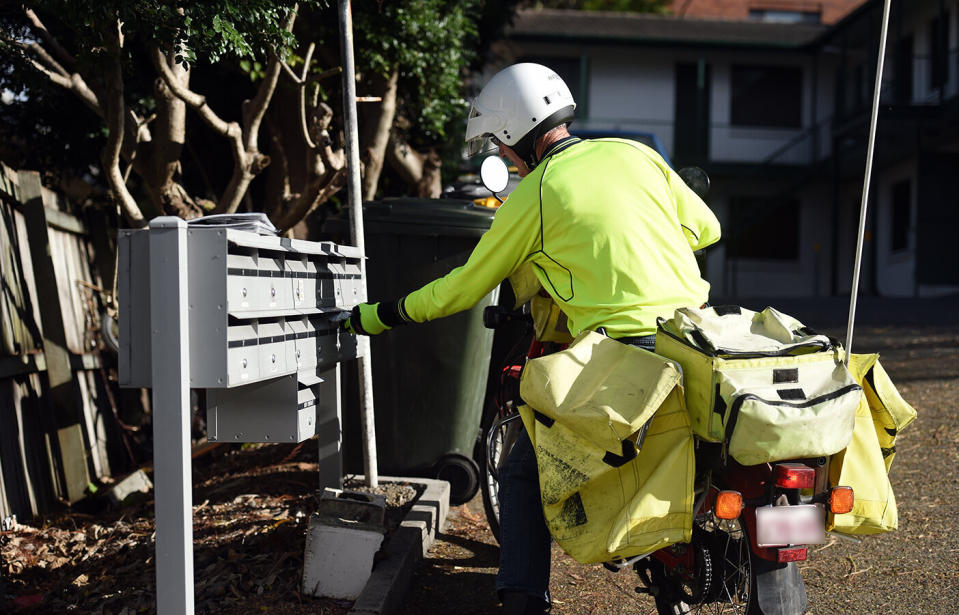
(610, 231)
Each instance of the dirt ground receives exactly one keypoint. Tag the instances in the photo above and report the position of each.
(251, 508)
(913, 570)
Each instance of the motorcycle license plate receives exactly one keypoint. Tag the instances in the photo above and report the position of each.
(778, 526)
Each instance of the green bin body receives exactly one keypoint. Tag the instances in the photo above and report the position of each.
(429, 379)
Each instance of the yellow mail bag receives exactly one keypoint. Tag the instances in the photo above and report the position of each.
(761, 382)
(614, 447)
(864, 464)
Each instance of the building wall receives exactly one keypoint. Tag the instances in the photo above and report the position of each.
(897, 268)
(633, 88)
(808, 275)
(730, 143)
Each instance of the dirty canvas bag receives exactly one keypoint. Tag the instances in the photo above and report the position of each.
(761, 382)
(613, 446)
(864, 464)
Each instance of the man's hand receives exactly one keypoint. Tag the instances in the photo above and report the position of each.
(364, 320)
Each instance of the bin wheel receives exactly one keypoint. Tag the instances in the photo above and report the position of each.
(462, 474)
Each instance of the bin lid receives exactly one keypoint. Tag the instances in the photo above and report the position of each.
(417, 216)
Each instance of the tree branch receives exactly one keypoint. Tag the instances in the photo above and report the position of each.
(115, 116)
(59, 76)
(46, 57)
(302, 83)
(197, 101)
(310, 199)
(51, 40)
(254, 110)
(326, 173)
(289, 71)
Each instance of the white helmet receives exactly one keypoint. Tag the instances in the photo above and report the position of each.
(520, 103)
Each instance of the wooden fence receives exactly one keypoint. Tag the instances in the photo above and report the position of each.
(56, 412)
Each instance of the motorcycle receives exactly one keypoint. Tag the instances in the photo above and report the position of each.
(751, 523)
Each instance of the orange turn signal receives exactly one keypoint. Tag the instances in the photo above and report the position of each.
(841, 500)
(729, 505)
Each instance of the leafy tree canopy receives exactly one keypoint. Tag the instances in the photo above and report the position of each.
(168, 91)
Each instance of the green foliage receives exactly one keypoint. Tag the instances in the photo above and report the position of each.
(430, 42)
(207, 29)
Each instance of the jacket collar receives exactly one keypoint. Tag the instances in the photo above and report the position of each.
(559, 146)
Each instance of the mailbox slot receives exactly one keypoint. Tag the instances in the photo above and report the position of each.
(351, 290)
(258, 281)
(242, 355)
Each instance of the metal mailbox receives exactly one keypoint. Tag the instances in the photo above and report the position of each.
(260, 307)
(264, 316)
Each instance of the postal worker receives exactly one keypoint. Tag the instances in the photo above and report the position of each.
(610, 231)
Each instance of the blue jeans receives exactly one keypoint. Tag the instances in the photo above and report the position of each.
(524, 556)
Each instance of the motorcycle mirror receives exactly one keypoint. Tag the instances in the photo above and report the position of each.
(696, 179)
(494, 174)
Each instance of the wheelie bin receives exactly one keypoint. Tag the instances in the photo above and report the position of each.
(429, 380)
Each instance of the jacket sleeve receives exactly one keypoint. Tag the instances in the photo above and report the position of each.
(699, 223)
(500, 251)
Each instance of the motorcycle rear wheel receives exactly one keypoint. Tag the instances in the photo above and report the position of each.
(730, 589)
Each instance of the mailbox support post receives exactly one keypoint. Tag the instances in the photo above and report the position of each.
(173, 498)
(329, 429)
(355, 196)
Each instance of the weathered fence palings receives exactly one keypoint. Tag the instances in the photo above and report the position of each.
(54, 435)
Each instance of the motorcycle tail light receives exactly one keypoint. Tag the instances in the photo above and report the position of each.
(729, 505)
(841, 500)
(794, 476)
(791, 554)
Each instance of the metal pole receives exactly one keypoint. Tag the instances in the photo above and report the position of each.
(170, 357)
(870, 150)
(367, 422)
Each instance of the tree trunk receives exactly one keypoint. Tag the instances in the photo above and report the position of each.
(420, 171)
(169, 136)
(377, 136)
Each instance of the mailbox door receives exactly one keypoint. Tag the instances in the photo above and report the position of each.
(272, 348)
(306, 397)
(243, 354)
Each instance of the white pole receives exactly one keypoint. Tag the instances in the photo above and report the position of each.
(367, 423)
(870, 150)
(170, 358)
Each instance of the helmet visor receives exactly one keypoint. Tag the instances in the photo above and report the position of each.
(481, 145)
(482, 142)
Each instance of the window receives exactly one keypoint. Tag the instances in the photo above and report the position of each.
(772, 15)
(763, 228)
(901, 215)
(766, 96)
(572, 71)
